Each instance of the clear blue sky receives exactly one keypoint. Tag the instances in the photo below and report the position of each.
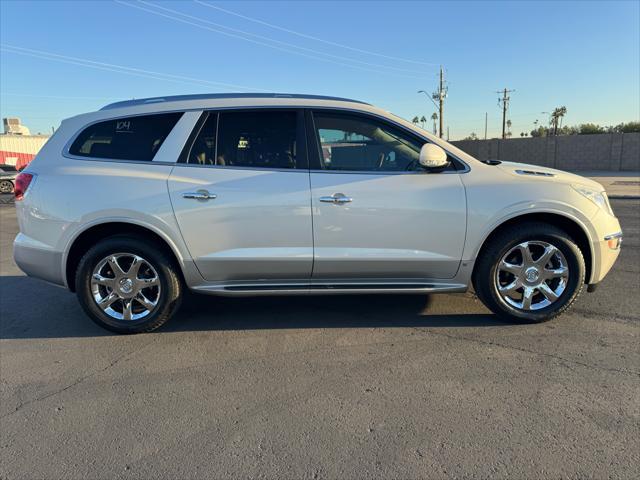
(584, 55)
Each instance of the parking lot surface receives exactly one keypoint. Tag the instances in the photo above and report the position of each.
(322, 387)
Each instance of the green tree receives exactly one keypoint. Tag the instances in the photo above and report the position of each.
(590, 129)
(630, 127)
(540, 132)
(415, 120)
(423, 120)
(472, 136)
(566, 130)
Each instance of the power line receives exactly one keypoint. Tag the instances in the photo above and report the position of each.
(118, 68)
(257, 42)
(61, 97)
(310, 37)
(269, 39)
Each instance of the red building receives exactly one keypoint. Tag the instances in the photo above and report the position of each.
(19, 150)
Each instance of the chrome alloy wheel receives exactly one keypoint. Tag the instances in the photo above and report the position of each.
(6, 186)
(125, 286)
(532, 275)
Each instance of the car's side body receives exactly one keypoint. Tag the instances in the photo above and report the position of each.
(268, 230)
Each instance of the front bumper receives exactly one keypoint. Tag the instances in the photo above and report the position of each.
(606, 252)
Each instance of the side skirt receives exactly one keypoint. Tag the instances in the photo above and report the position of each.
(328, 288)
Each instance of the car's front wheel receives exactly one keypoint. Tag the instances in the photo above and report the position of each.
(128, 286)
(530, 272)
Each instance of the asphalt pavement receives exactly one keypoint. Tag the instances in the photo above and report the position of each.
(322, 387)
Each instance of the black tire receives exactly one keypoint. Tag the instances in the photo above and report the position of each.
(170, 292)
(500, 244)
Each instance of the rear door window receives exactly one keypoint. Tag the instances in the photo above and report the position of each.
(269, 139)
(127, 138)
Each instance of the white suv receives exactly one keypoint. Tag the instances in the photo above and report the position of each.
(288, 194)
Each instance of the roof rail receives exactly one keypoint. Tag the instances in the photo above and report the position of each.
(216, 96)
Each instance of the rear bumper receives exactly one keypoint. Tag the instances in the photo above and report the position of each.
(36, 260)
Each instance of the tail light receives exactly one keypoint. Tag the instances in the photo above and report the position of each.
(23, 181)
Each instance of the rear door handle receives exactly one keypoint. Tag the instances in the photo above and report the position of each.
(337, 199)
(199, 195)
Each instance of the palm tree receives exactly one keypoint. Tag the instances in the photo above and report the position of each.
(434, 117)
(509, 128)
(562, 111)
(415, 120)
(556, 118)
(423, 121)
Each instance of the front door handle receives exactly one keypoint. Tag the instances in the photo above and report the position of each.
(337, 199)
(199, 195)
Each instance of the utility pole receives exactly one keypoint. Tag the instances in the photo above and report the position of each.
(505, 105)
(441, 95)
(438, 99)
(485, 124)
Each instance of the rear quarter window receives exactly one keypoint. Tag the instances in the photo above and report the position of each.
(126, 138)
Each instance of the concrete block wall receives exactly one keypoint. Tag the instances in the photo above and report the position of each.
(612, 152)
(630, 155)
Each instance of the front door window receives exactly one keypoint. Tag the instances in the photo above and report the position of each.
(355, 143)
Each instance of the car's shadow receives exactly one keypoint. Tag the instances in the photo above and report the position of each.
(30, 308)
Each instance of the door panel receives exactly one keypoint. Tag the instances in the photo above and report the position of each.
(257, 228)
(242, 198)
(376, 212)
(395, 226)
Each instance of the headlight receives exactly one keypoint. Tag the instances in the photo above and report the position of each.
(599, 198)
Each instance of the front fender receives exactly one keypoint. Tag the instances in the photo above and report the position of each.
(480, 231)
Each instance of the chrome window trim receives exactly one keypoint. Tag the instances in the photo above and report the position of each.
(223, 167)
(117, 160)
(67, 154)
(369, 172)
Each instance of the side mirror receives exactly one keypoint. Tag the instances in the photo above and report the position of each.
(433, 157)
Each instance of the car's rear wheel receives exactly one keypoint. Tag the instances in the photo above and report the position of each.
(128, 286)
(6, 186)
(530, 272)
